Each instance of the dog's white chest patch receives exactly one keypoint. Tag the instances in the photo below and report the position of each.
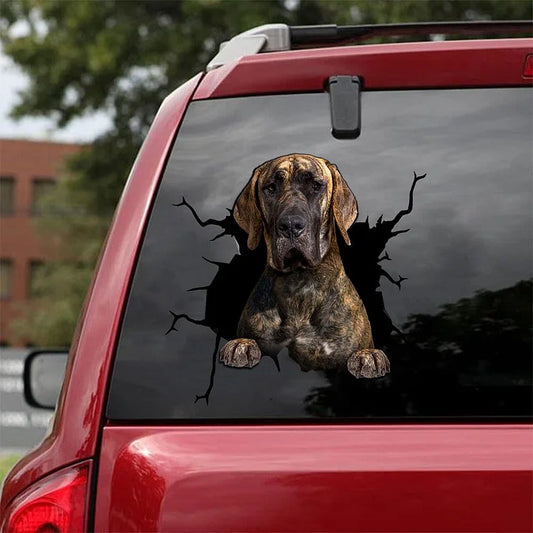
(327, 348)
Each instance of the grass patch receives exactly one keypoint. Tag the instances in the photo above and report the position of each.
(6, 462)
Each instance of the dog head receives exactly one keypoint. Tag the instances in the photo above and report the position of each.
(295, 201)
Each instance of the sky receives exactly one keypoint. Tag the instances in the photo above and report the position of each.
(12, 81)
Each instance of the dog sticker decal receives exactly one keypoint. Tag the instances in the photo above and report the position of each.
(306, 278)
(303, 300)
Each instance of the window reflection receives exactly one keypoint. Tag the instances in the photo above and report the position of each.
(454, 320)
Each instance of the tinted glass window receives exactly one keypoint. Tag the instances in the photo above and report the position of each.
(41, 189)
(34, 281)
(6, 278)
(7, 195)
(442, 264)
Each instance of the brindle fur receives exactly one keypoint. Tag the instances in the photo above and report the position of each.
(304, 300)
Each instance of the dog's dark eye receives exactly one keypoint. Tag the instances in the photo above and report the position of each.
(271, 188)
(317, 186)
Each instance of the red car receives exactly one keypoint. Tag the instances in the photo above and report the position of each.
(152, 432)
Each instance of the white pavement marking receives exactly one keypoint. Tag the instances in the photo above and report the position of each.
(14, 419)
(40, 420)
(11, 385)
(11, 367)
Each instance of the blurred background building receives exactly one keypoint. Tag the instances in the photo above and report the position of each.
(28, 172)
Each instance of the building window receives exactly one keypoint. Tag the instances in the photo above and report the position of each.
(7, 195)
(34, 284)
(40, 189)
(6, 278)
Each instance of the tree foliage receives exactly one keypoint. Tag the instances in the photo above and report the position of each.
(123, 58)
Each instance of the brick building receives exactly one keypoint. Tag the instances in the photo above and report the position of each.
(28, 169)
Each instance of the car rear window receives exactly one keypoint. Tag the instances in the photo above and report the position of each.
(443, 263)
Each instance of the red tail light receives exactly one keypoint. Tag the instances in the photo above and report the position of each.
(56, 504)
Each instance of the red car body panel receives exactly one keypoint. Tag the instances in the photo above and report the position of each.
(315, 478)
(343, 478)
(390, 66)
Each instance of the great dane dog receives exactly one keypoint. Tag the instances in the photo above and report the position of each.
(304, 300)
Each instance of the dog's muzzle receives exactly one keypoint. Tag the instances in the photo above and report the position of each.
(295, 259)
(291, 226)
(292, 243)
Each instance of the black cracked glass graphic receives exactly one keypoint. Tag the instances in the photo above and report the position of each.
(235, 280)
(449, 300)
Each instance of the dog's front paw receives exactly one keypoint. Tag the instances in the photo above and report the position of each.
(368, 363)
(240, 353)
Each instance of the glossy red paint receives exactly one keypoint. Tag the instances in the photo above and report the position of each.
(315, 478)
(79, 414)
(445, 64)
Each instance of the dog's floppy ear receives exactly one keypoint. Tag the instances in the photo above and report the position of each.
(343, 203)
(246, 212)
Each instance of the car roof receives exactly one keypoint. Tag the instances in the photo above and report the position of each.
(281, 37)
(416, 65)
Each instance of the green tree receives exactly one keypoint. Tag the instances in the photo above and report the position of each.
(124, 57)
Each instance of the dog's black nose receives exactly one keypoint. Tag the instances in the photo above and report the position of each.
(291, 226)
